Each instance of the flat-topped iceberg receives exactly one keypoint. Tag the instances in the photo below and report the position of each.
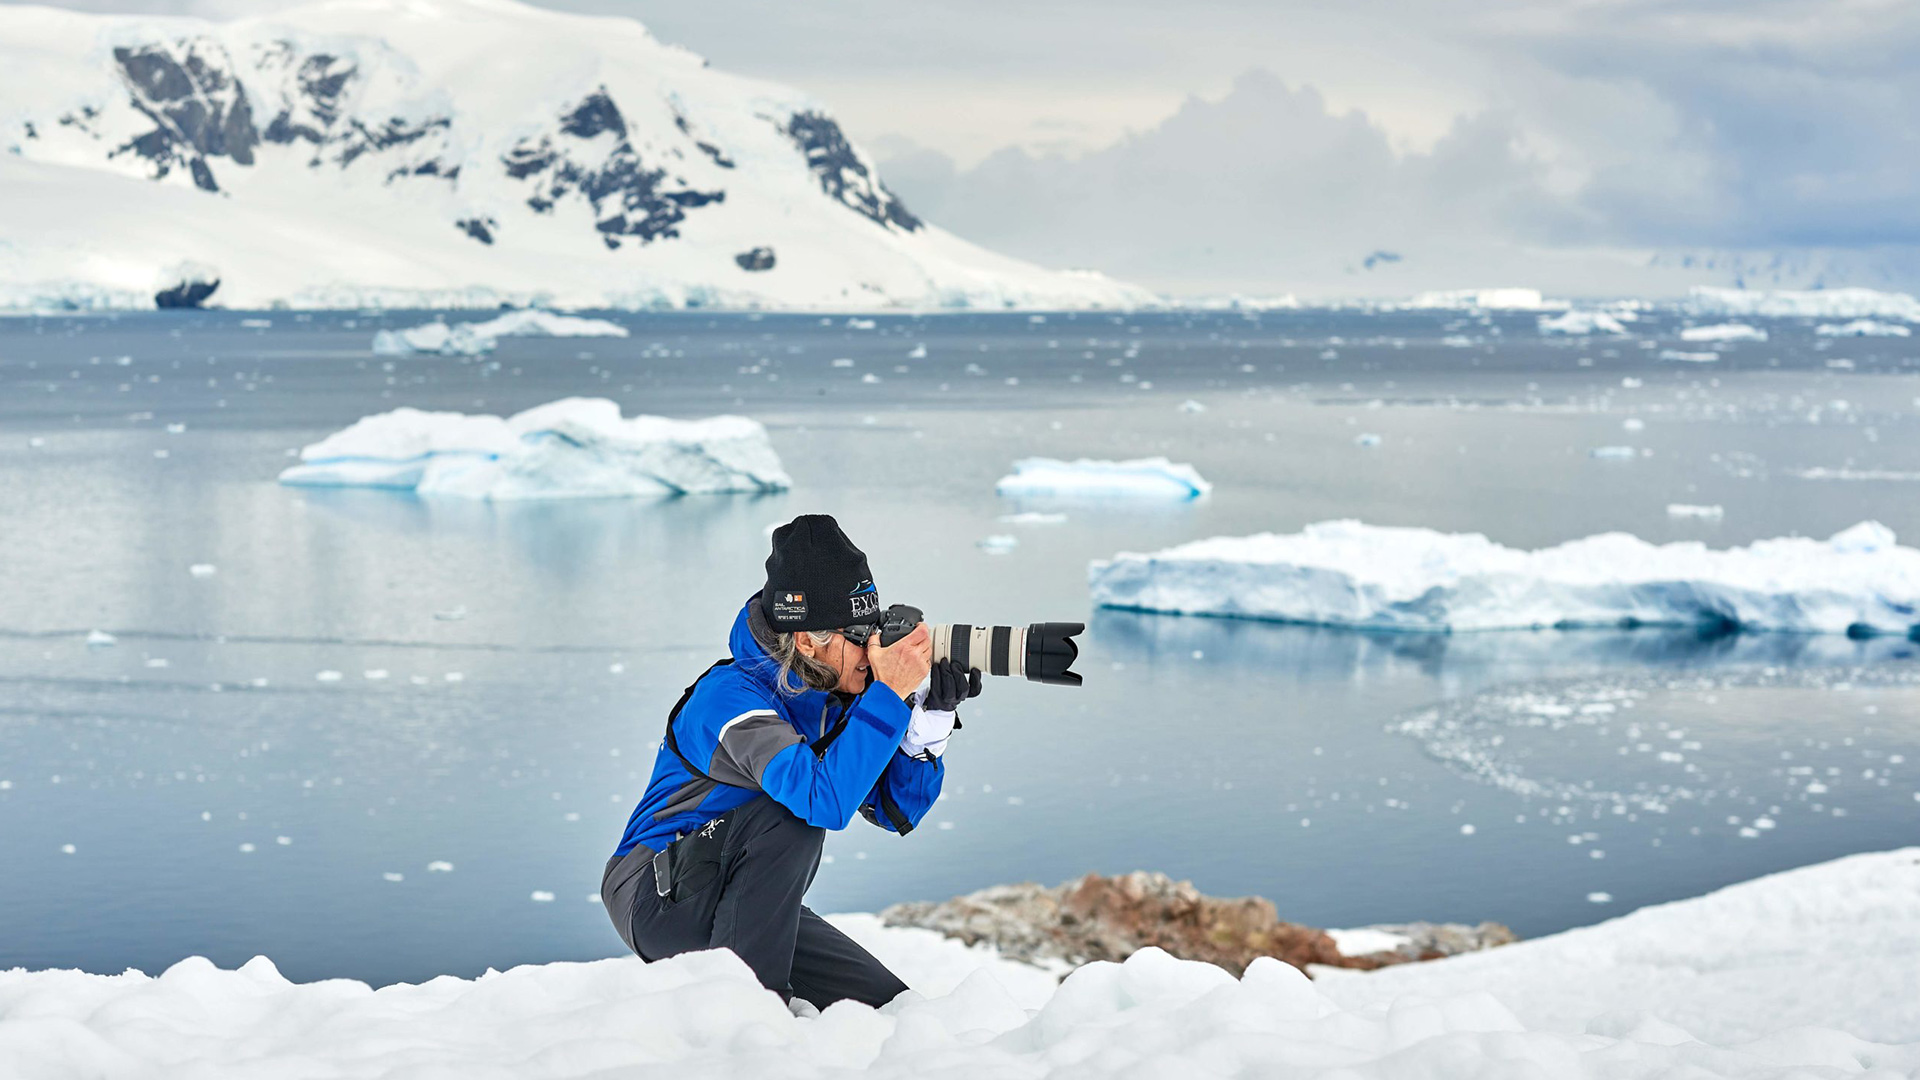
(1141, 478)
(1862, 328)
(1581, 323)
(573, 448)
(1345, 573)
(475, 338)
(1732, 331)
(1813, 304)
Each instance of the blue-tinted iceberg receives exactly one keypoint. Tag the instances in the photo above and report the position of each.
(573, 448)
(1345, 573)
(1142, 478)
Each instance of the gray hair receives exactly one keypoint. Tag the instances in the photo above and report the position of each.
(798, 671)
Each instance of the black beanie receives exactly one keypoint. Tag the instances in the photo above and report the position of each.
(816, 578)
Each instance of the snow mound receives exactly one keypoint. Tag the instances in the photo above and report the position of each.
(1675, 990)
(1345, 573)
(1815, 304)
(475, 338)
(573, 448)
(1723, 332)
(1145, 478)
(1862, 328)
(1581, 323)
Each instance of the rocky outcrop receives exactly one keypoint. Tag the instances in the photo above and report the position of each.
(843, 175)
(1102, 918)
(755, 259)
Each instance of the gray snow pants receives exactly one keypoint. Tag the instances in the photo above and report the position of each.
(752, 906)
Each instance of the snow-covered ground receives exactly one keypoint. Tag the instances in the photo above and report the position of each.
(1345, 573)
(1808, 973)
(450, 153)
(1142, 478)
(475, 338)
(572, 448)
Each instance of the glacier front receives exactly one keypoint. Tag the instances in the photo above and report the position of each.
(572, 448)
(1346, 573)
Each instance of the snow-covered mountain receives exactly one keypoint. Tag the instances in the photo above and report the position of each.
(447, 152)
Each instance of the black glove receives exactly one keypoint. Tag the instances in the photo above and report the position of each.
(948, 685)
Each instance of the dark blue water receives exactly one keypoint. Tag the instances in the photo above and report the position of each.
(504, 670)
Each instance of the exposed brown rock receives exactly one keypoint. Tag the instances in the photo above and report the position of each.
(1102, 918)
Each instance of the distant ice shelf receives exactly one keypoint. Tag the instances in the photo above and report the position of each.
(1723, 332)
(1142, 478)
(476, 338)
(1862, 328)
(572, 448)
(1345, 573)
(1812, 303)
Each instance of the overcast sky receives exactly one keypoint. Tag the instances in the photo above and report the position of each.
(1237, 144)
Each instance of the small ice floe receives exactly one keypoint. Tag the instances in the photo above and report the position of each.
(203, 570)
(100, 639)
(1689, 357)
(1862, 328)
(476, 338)
(918, 352)
(176, 429)
(439, 866)
(573, 448)
(1613, 453)
(842, 361)
(1633, 423)
(1630, 383)
(542, 896)
(1033, 517)
(1366, 439)
(1822, 472)
(247, 849)
(451, 614)
(374, 674)
(1599, 898)
(327, 676)
(861, 324)
(283, 841)
(36, 442)
(391, 876)
(256, 324)
(869, 377)
(1152, 478)
(158, 662)
(1580, 323)
(1732, 331)
(1467, 830)
(1192, 406)
(455, 676)
(998, 544)
(68, 849)
(1687, 510)
(1858, 582)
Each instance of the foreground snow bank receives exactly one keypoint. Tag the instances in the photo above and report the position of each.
(475, 338)
(1796, 966)
(573, 448)
(1679, 990)
(1345, 573)
(1152, 478)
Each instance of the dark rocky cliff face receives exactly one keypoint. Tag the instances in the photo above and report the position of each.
(843, 175)
(198, 108)
(591, 157)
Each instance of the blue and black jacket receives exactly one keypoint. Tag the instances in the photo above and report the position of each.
(748, 737)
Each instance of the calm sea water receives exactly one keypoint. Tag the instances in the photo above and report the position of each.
(208, 786)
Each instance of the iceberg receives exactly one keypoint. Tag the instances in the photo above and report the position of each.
(1859, 582)
(1812, 304)
(1803, 973)
(1723, 332)
(1581, 323)
(572, 448)
(476, 338)
(1862, 328)
(1142, 478)
(1498, 299)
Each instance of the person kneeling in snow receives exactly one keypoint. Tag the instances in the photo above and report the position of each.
(810, 721)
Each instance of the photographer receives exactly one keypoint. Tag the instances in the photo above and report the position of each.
(810, 721)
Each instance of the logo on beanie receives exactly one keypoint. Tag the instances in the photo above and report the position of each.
(789, 606)
(865, 599)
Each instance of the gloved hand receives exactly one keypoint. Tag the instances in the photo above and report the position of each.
(948, 685)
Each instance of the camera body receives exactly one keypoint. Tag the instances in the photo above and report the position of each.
(1043, 652)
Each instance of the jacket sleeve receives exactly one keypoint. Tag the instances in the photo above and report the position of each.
(904, 793)
(826, 790)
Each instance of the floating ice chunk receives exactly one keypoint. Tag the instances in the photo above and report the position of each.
(1732, 331)
(1613, 453)
(1862, 328)
(439, 866)
(392, 876)
(475, 338)
(998, 544)
(1153, 478)
(542, 896)
(1817, 303)
(918, 352)
(1685, 510)
(100, 639)
(572, 448)
(256, 324)
(1581, 323)
(1822, 472)
(203, 570)
(1599, 898)
(1684, 357)
(860, 324)
(1498, 299)
(1366, 439)
(1033, 517)
(1633, 423)
(1345, 573)
(68, 849)
(327, 676)
(1192, 406)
